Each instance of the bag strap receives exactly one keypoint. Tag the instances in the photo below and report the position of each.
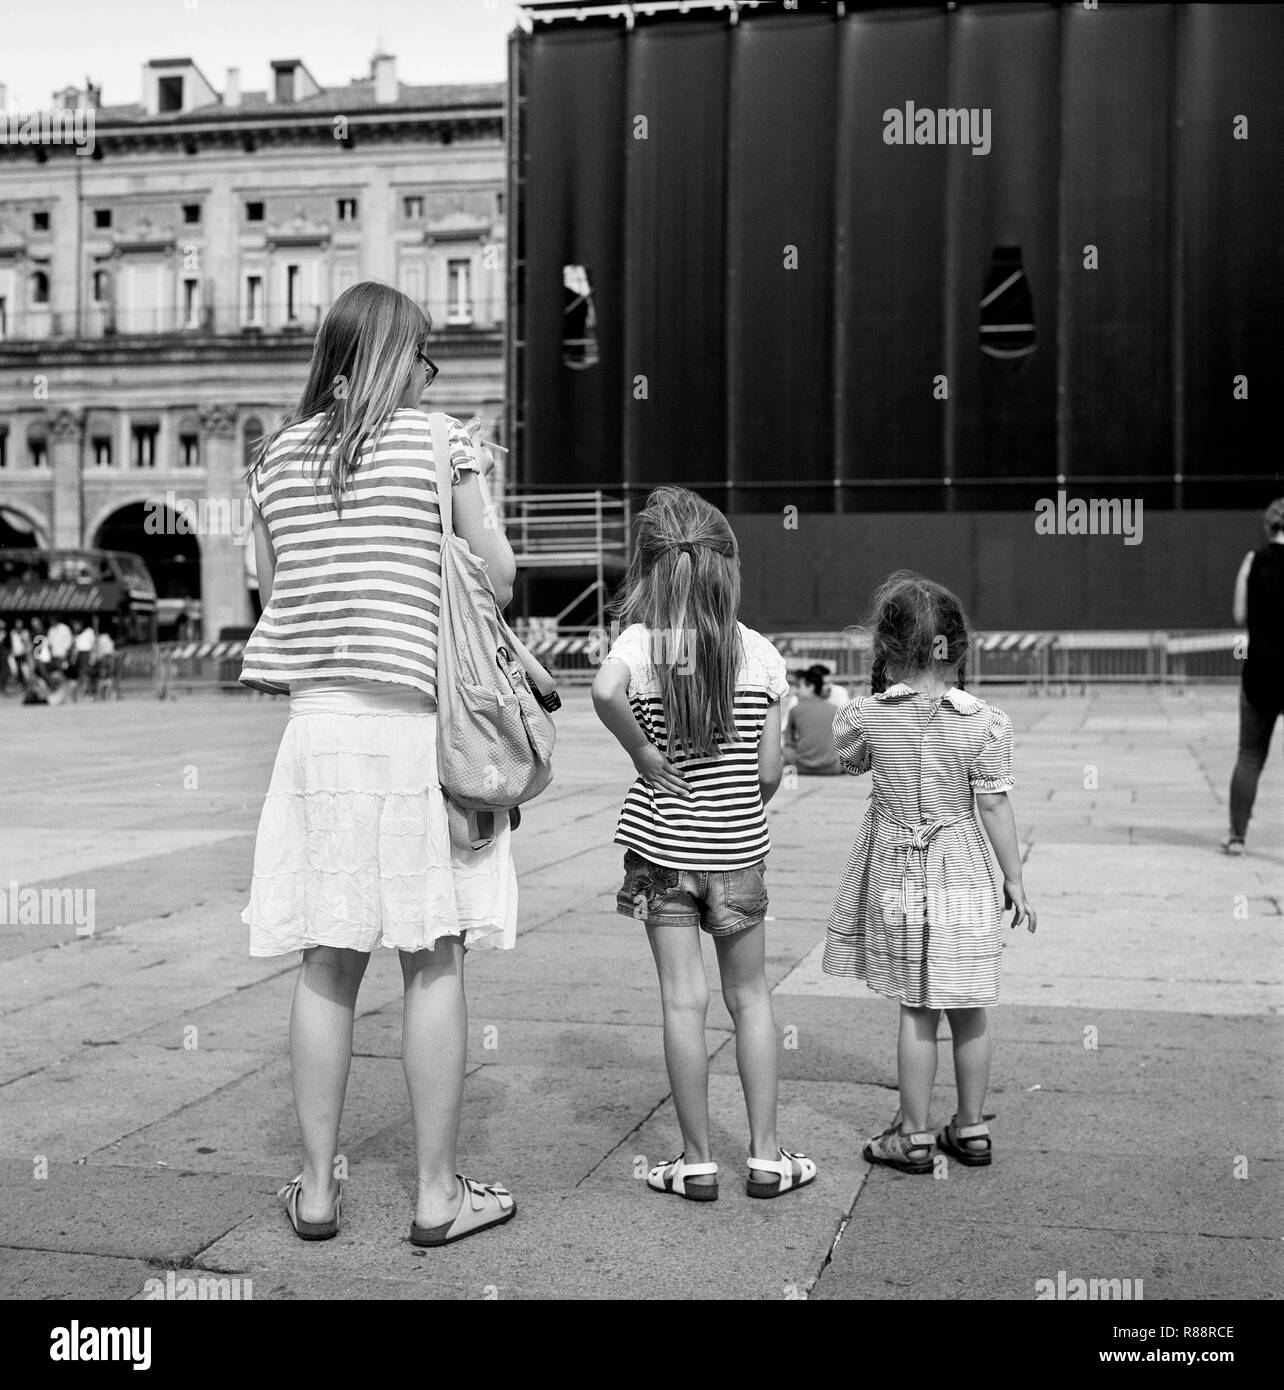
(441, 458)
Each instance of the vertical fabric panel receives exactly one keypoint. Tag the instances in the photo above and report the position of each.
(890, 212)
(675, 274)
(1117, 183)
(780, 321)
(1233, 216)
(1006, 59)
(573, 198)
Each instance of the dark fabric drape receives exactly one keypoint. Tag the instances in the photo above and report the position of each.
(1004, 413)
(674, 285)
(890, 210)
(780, 213)
(1233, 217)
(1117, 168)
(573, 198)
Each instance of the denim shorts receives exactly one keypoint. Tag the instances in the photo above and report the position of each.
(721, 901)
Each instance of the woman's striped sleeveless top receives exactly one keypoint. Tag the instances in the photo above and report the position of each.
(356, 594)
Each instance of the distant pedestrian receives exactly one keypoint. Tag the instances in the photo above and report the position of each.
(354, 848)
(1259, 602)
(60, 645)
(692, 696)
(918, 916)
(809, 727)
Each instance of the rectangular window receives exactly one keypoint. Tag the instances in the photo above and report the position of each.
(4, 318)
(292, 293)
(4, 448)
(39, 221)
(101, 444)
(191, 213)
(254, 301)
(347, 209)
(412, 208)
(101, 287)
(102, 218)
(169, 94)
(459, 296)
(284, 84)
(190, 450)
(191, 303)
(143, 443)
(38, 453)
(254, 212)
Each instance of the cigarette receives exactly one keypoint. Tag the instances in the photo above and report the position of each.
(486, 444)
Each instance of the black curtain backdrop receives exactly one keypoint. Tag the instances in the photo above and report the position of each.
(675, 291)
(890, 211)
(768, 386)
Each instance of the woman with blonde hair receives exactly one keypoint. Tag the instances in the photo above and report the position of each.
(353, 847)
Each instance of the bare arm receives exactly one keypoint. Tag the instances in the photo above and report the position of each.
(1240, 610)
(996, 815)
(264, 558)
(770, 761)
(476, 520)
(611, 702)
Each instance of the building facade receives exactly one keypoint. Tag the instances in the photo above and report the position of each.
(161, 284)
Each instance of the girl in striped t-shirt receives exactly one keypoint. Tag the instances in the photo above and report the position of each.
(354, 847)
(693, 696)
(918, 916)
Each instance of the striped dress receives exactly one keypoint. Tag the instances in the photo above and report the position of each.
(356, 594)
(918, 915)
(723, 824)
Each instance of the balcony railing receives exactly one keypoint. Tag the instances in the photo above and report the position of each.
(105, 322)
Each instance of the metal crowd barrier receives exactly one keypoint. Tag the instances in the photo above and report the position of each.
(1040, 661)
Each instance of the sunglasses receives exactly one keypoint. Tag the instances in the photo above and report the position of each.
(429, 363)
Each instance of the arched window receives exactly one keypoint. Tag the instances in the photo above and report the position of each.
(39, 287)
(253, 433)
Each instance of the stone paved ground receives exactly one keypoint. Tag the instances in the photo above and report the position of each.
(1152, 1155)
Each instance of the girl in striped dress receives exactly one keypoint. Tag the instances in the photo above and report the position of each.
(354, 847)
(918, 916)
(693, 696)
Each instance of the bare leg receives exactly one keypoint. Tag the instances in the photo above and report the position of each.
(434, 1052)
(325, 995)
(684, 992)
(916, 1066)
(972, 1051)
(742, 964)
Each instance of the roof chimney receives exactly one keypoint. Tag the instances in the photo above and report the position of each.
(383, 68)
(232, 92)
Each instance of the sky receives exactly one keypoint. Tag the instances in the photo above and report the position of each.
(52, 44)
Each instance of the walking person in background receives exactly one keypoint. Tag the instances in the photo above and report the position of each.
(82, 652)
(692, 696)
(1259, 603)
(917, 916)
(354, 847)
(809, 727)
(8, 670)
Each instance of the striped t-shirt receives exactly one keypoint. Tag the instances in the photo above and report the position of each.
(722, 825)
(355, 595)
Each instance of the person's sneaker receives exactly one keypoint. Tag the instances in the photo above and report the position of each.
(1232, 844)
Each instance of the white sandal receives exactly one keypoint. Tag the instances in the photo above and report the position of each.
(783, 1169)
(672, 1176)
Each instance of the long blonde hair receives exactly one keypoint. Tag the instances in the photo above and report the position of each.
(683, 586)
(362, 363)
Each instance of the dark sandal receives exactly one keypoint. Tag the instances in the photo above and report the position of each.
(672, 1174)
(308, 1230)
(907, 1153)
(954, 1140)
(481, 1206)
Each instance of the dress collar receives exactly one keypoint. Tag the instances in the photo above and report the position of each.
(961, 701)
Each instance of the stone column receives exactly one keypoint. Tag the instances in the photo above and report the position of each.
(66, 445)
(225, 601)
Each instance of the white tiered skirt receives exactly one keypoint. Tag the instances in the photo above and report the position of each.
(354, 847)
